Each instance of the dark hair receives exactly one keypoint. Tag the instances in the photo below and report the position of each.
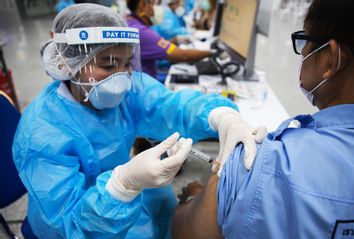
(331, 19)
(133, 5)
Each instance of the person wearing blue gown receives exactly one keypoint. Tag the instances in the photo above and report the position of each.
(171, 25)
(72, 145)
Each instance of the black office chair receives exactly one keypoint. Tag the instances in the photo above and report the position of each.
(11, 187)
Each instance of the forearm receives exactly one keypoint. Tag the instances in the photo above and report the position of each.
(195, 55)
(198, 218)
(187, 55)
(182, 224)
(185, 111)
(102, 213)
(90, 213)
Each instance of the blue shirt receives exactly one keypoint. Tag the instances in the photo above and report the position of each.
(301, 185)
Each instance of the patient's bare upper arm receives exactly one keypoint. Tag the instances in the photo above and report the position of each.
(198, 218)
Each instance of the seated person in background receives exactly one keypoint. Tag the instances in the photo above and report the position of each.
(205, 15)
(171, 25)
(301, 184)
(188, 5)
(153, 46)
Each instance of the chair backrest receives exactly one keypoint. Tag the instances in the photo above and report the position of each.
(11, 187)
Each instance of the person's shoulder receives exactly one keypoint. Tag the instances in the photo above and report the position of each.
(146, 32)
(168, 12)
(41, 99)
(147, 77)
(149, 82)
(133, 22)
(37, 114)
(271, 154)
(44, 126)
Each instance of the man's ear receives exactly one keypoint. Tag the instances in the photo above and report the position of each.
(334, 58)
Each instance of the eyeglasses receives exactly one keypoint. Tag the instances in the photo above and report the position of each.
(300, 39)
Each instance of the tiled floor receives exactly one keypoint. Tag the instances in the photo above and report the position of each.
(274, 55)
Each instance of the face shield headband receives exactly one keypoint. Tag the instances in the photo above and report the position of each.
(93, 40)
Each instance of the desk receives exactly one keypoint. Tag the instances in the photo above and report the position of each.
(260, 107)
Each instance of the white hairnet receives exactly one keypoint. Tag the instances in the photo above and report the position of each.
(62, 61)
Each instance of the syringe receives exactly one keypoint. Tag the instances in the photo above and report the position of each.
(201, 155)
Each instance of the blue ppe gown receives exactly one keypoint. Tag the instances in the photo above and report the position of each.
(170, 26)
(300, 186)
(189, 5)
(65, 152)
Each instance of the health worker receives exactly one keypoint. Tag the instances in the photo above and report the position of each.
(73, 142)
(172, 25)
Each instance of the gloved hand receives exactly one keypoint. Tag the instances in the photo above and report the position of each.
(147, 170)
(232, 130)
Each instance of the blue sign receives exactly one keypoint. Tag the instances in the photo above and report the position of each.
(83, 35)
(120, 34)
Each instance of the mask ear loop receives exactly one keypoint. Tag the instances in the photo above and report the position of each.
(92, 82)
(340, 57)
(318, 49)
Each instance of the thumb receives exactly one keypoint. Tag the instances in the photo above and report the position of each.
(181, 155)
(166, 144)
(259, 134)
(222, 139)
(250, 153)
(215, 166)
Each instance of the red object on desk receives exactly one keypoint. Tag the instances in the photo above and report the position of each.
(5, 85)
(6, 82)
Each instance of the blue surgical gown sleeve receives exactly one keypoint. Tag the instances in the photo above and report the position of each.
(163, 112)
(64, 201)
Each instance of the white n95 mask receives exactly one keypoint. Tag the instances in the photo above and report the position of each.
(107, 93)
(309, 94)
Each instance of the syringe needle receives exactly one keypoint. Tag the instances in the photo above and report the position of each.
(199, 154)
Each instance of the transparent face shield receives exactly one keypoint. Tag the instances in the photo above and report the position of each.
(102, 59)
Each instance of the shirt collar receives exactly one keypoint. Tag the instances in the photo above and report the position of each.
(336, 115)
(339, 115)
(64, 91)
(136, 17)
